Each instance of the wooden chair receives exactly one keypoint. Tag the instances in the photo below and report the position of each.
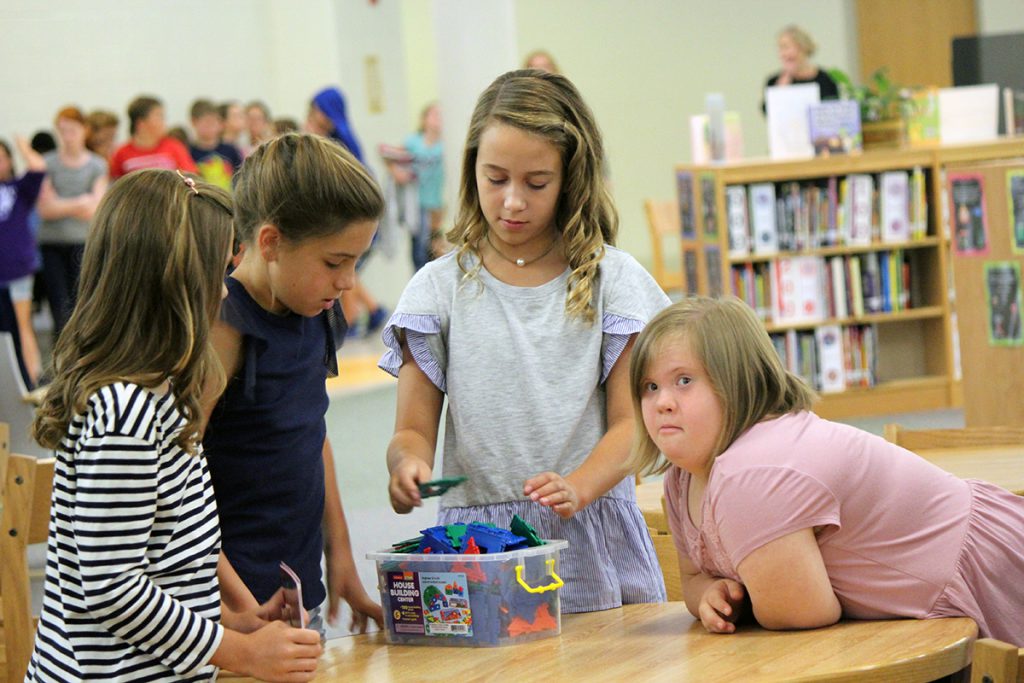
(662, 222)
(668, 558)
(25, 520)
(996, 662)
(16, 407)
(915, 439)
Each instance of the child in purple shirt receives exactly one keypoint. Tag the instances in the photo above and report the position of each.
(18, 244)
(801, 519)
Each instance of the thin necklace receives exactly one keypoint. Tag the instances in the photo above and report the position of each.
(521, 262)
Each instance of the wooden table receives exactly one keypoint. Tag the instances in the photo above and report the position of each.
(664, 643)
(1001, 465)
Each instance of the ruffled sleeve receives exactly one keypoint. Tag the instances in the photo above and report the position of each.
(422, 315)
(631, 298)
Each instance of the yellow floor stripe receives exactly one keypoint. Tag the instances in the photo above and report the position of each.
(357, 373)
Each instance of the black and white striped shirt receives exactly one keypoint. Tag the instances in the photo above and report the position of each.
(131, 565)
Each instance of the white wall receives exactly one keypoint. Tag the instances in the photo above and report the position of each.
(645, 67)
(1000, 16)
(105, 52)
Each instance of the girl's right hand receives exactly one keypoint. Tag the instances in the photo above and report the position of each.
(720, 605)
(404, 488)
(278, 652)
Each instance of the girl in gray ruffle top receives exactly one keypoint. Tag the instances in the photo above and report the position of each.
(526, 329)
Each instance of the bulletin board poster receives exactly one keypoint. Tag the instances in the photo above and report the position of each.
(970, 225)
(1015, 196)
(1003, 300)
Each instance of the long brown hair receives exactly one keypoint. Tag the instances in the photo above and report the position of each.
(549, 106)
(745, 371)
(150, 289)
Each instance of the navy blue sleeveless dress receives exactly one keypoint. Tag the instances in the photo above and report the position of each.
(265, 441)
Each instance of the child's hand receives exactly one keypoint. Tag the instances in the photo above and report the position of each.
(343, 582)
(720, 605)
(278, 652)
(553, 491)
(404, 485)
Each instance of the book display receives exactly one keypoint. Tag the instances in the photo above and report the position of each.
(846, 259)
(987, 262)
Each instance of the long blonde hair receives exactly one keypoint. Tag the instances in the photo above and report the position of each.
(742, 365)
(549, 106)
(149, 292)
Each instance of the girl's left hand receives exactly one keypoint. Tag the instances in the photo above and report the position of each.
(554, 491)
(343, 582)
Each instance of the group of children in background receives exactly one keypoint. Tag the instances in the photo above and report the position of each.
(187, 413)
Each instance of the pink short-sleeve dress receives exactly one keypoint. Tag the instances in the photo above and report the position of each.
(899, 536)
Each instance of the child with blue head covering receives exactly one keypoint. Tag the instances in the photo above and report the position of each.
(328, 116)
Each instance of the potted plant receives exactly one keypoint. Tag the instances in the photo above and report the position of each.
(884, 106)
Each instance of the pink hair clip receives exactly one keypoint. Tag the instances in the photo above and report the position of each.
(188, 181)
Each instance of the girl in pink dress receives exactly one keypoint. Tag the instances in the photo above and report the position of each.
(799, 519)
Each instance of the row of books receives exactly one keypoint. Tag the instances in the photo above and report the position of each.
(856, 210)
(831, 358)
(803, 289)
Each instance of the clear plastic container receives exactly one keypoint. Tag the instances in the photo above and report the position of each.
(471, 600)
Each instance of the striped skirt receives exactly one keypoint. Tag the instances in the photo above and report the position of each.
(610, 560)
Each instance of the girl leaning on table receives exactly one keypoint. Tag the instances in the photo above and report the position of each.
(526, 328)
(801, 519)
(131, 588)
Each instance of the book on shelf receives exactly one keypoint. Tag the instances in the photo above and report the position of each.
(687, 214)
(894, 211)
(762, 218)
(713, 261)
(701, 138)
(797, 289)
(834, 127)
(970, 225)
(1015, 193)
(969, 113)
(861, 195)
(739, 223)
(709, 209)
(831, 370)
(786, 114)
(918, 204)
(1013, 111)
(690, 271)
(923, 118)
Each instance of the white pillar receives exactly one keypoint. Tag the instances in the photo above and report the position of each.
(476, 43)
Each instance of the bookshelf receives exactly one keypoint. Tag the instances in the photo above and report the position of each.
(857, 292)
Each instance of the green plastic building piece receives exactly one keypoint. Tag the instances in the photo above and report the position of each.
(520, 527)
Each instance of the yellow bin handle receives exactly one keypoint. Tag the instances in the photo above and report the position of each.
(557, 583)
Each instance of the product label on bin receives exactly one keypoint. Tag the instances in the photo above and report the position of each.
(430, 603)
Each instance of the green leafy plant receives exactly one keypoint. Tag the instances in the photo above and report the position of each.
(880, 99)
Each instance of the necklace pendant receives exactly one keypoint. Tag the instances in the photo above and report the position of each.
(520, 262)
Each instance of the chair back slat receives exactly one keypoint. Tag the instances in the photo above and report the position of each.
(662, 222)
(994, 661)
(915, 439)
(25, 519)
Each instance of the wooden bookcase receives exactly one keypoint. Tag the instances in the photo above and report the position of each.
(913, 366)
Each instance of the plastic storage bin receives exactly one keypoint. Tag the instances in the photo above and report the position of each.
(471, 600)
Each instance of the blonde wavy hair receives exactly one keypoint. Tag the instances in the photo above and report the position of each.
(737, 353)
(549, 106)
(150, 289)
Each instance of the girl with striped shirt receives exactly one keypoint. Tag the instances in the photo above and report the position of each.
(131, 588)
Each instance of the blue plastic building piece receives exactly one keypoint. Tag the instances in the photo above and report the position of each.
(493, 540)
